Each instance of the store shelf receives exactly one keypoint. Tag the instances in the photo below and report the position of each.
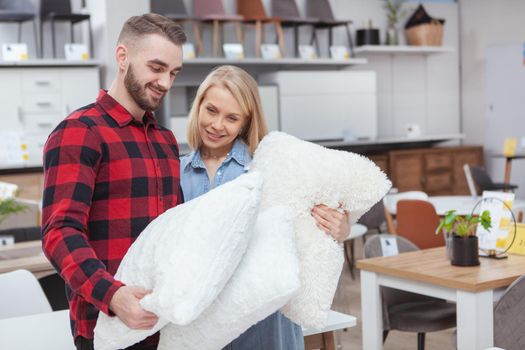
(50, 63)
(402, 49)
(276, 63)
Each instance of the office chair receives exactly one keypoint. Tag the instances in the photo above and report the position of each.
(484, 182)
(417, 221)
(406, 311)
(509, 317)
(19, 12)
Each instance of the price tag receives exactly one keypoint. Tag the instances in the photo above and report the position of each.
(14, 52)
(233, 51)
(518, 246)
(389, 246)
(76, 52)
(339, 52)
(307, 52)
(270, 51)
(188, 51)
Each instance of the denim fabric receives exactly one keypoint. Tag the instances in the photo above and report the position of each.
(276, 332)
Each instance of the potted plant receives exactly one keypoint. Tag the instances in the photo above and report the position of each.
(463, 231)
(393, 16)
(9, 206)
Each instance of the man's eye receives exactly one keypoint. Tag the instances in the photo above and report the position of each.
(155, 69)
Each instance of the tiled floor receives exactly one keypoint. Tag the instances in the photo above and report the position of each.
(348, 300)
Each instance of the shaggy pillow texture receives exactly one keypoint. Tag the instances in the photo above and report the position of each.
(186, 256)
(265, 280)
(300, 175)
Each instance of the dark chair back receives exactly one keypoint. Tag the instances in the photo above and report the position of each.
(23, 234)
(285, 8)
(208, 7)
(18, 6)
(481, 178)
(509, 324)
(55, 6)
(319, 9)
(165, 7)
(251, 8)
(375, 217)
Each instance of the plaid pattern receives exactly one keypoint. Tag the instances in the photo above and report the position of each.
(107, 176)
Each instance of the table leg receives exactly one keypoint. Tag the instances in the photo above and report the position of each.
(475, 320)
(371, 311)
(508, 164)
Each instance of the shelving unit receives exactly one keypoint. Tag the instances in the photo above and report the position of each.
(402, 49)
(288, 63)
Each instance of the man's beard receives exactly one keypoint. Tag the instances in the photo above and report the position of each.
(138, 93)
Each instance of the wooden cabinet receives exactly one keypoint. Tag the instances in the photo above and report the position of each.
(436, 171)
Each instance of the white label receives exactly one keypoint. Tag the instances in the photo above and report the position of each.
(7, 240)
(188, 51)
(307, 52)
(233, 51)
(270, 51)
(389, 246)
(339, 52)
(76, 52)
(14, 52)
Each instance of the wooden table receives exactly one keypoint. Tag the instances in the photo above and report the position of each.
(27, 256)
(428, 272)
(462, 204)
(324, 338)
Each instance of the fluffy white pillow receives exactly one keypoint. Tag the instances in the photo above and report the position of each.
(186, 256)
(300, 175)
(265, 280)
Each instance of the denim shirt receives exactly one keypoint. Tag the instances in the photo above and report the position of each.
(194, 177)
(276, 332)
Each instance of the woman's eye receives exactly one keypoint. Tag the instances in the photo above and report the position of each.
(211, 110)
(232, 118)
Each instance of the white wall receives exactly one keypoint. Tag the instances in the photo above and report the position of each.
(484, 23)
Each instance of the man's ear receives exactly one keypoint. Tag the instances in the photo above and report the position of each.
(121, 56)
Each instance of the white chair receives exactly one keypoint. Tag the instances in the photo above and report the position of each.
(390, 205)
(470, 181)
(21, 295)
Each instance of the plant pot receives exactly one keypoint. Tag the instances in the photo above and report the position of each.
(465, 251)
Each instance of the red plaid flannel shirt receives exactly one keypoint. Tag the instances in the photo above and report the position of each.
(106, 177)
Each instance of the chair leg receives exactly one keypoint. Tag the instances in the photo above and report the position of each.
(238, 33)
(350, 41)
(296, 39)
(349, 257)
(215, 39)
(385, 334)
(421, 341)
(41, 38)
(280, 37)
(72, 32)
(330, 39)
(258, 38)
(91, 46)
(19, 32)
(197, 34)
(53, 38)
(35, 35)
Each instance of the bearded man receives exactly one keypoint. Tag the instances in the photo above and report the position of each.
(109, 170)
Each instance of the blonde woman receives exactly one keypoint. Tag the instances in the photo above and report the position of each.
(226, 125)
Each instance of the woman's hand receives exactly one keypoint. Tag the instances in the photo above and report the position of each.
(332, 221)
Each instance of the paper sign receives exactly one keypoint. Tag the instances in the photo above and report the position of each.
(270, 51)
(509, 146)
(76, 52)
(339, 52)
(7, 190)
(307, 52)
(233, 51)
(498, 204)
(7, 240)
(12, 148)
(14, 52)
(188, 51)
(389, 246)
(518, 242)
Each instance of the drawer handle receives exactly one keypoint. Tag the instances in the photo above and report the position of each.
(42, 82)
(44, 125)
(43, 103)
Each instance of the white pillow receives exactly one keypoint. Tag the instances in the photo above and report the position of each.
(186, 256)
(265, 280)
(300, 175)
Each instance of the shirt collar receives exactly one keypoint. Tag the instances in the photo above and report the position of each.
(119, 114)
(239, 153)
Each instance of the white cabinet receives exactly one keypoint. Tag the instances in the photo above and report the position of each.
(326, 105)
(36, 98)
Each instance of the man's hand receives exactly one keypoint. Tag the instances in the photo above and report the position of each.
(332, 221)
(125, 304)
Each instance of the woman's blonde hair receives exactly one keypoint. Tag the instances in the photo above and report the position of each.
(244, 89)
